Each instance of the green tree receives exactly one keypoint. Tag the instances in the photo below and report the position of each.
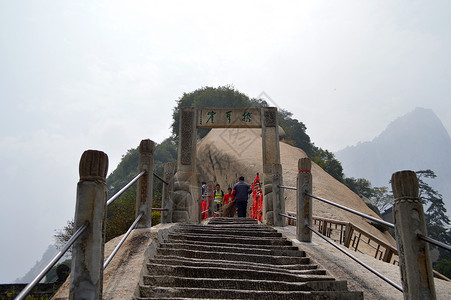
(221, 97)
(360, 186)
(443, 266)
(382, 198)
(327, 161)
(228, 96)
(437, 221)
(63, 235)
(295, 132)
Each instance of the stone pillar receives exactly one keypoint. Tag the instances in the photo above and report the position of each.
(271, 155)
(185, 181)
(86, 278)
(278, 199)
(414, 260)
(304, 202)
(144, 192)
(167, 195)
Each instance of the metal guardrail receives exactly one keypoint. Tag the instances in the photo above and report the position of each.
(164, 181)
(287, 216)
(398, 287)
(390, 225)
(353, 211)
(107, 262)
(434, 242)
(50, 265)
(287, 187)
(77, 234)
(112, 199)
(392, 283)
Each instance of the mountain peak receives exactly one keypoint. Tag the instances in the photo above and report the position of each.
(416, 141)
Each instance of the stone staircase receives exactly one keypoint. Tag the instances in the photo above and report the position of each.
(232, 258)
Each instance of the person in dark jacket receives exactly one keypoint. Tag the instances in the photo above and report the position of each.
(242, 191)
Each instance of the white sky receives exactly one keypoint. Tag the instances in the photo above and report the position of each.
(78, 75)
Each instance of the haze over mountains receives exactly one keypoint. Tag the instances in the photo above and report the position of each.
(415, 141)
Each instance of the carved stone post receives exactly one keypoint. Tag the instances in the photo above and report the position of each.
(145, 184)
(271, 155)
(304, 202)
(167, 194)
(414, 259)
(87, 253)
(278, 199)
(185, 181)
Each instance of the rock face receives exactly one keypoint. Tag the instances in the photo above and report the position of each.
(225, 154)
(415, 141)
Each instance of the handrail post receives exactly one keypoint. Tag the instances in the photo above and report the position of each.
(145, 184)
(304, 202)
(277, 192)
(86, 278)
(167, 193)
(414, 260)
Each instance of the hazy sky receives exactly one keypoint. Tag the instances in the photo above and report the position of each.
(105, 74)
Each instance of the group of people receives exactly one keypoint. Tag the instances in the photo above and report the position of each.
(239, 193)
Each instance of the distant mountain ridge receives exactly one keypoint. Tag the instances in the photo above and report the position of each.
(415, 141)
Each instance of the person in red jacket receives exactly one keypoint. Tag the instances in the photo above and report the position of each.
(229, 197)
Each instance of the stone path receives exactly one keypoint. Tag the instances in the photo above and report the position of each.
(233, 258)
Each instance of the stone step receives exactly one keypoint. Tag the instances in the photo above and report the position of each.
(232, 221)
(213, 248)
(230, 239)
(236, 273)
(225, 227)
(181, 261)
(248, 246)
(200, 293)
(274, 260)
(257, 285)
(219, 231)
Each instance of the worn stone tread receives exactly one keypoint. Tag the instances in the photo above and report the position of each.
(235, 259)
(261, 246)
(251, 294)
(269, 259)
(215, 272)
(251, 284)
(174, 260)
(259, 251)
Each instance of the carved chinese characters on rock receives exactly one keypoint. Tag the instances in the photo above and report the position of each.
(229, 118)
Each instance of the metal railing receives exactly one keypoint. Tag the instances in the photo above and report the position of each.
(124, 238)
(76, 235)
(121, 242)
(398, 287)
(24, 293)
(162, 180)
(392, 283)
(388, 224)
(126, 187)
